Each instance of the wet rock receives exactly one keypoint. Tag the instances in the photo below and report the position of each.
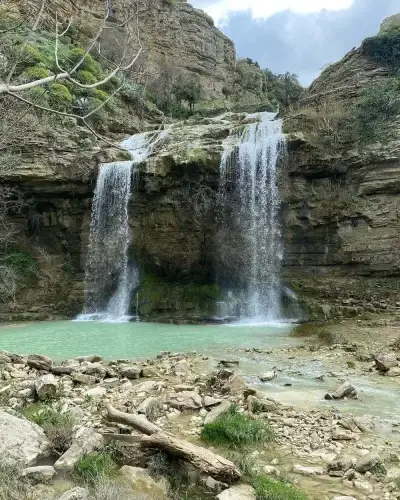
(21, 441)
(267, 376)
(183, 401)
(131, 372)
(39, 362)
(46, 387)
(384, 362)
(224, 374)
(308, 471)
(239, 492)
(209, 401)
(346, 390)
(367, 462)
(75, 494)
(143, 484)
(93, 358)
(217, 411)
(86, 441)
(228, 363)
(40, 474)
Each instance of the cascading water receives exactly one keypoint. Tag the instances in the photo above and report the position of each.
(249, 173)
(110, 278)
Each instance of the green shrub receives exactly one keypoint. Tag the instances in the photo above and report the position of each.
(38, 95)
(86, 77)
(270, 489)
(384, 48)
(94, 466)
(89, 63)
(237, 430)
(36, 73)
(57, 426)
(59, 96)
(376, 105)
(31, 55)
(23, 263)
(100, 95)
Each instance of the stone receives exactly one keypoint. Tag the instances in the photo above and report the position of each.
(152, 408)
(344, 498)
(363, 486)
(39, 362)
(93, 358)
(183, 388)
(346, 390)
(143, 484)
(215, 485)
(267, 376)
(271, 470)
(96, 392)
(131, 372)
(209, 401)
(217, 412)
(61, 370)
(4, 359)
(181, 368)
(21, 442)
(75, 494)
(80, 378)
(384, 362)
(96, 369)
(367, 462)
(239, 492)
(148, 386)
(228, 363)
(342, 435)
(46, 387)
(183, 401)
(256, 405)
(308, 471)
(111, 383)
(236, 385)
(341, 463)
(393, 372)
(86, 441)
(39, 474)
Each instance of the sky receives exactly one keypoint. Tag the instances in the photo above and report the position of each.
(300, 36)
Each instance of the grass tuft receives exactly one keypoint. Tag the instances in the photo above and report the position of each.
(237, 430)
(94, 467)
(270, 489)
(12, 485)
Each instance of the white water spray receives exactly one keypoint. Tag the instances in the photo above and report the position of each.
(253, 168)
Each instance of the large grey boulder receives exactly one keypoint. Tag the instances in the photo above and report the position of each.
(39, 362)
(346, 390)
(46, 386)
(131, 372)
(75, 494)
(21, 442)
(86, 441)
(188, 400)
(239, 492)
(367, 462)
(384, 362)
(39, 474)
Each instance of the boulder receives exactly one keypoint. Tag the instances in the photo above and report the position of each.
(39, 362)
(236, 385)
(267, 376)
(184, 401)
(256, 405)
(40, 474)
(342, 435)
(228, 363)
(92, 358)
(21, 441)
(367, 462)
(384, 362)
(96, 369)
(183, 388)
(61, 370)
(86, 441)
(144, 486)
(4, 359)
(46, 387)
(308, 471)
(96, 392)
(209, 401)
(152, 408)
(131, 372)
(181, 368)
(239, 492)
(80, 378)
(346, 390)
(393, 372)
(75, 494)
(217, 411)
(149, 386)
(341, 463)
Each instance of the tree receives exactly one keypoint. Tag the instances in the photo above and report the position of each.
(187, 89)
(70, 72)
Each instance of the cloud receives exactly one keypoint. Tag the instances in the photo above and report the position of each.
(220, 9)
(302, 42)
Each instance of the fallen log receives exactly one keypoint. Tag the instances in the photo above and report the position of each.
(205, 460)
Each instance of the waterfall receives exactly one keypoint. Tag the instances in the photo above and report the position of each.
(248, 182)
(110, 278)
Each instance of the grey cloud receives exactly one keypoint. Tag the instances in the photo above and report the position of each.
(304, 43)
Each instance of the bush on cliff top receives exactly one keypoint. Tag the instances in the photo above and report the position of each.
(384, 48)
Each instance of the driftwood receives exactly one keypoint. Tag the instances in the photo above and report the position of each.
(205, 460)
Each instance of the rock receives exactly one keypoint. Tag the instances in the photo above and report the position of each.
(131, 372)
(345, 498)
(183, 388)
(143, 484)
(346, 390)
(271, 470)
(39, 362)
(393, 372)
(341, 463)
(363, 486)
(152, 407)
(111, 383)
(384, 362)
(46, 387)
(93, 358)
(342, 435)
(308, 471)
(86, 441)
(75, 494)
(228, 363)
(367, 462)
(236, 385)
(393, 475)
(96, 369)
(224, 374)
(61, 370)
(267, 376)
(40, 474)
(149, 386)
(21, 441)
(214, 485)
(181, 368)
(189, 400)
(4, 359)
(208, 401)
(217, 411)
(96, 392)
(80, 378)
(256, 405)
(239, 492)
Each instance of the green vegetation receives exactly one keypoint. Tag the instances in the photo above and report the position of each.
(57, 426)
(384, 48)
(12, 485)
(271, 489)
(95, 466)
(22, 263)
(237, 430)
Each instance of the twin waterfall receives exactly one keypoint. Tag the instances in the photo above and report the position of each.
(109, 277)
(248, 182)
